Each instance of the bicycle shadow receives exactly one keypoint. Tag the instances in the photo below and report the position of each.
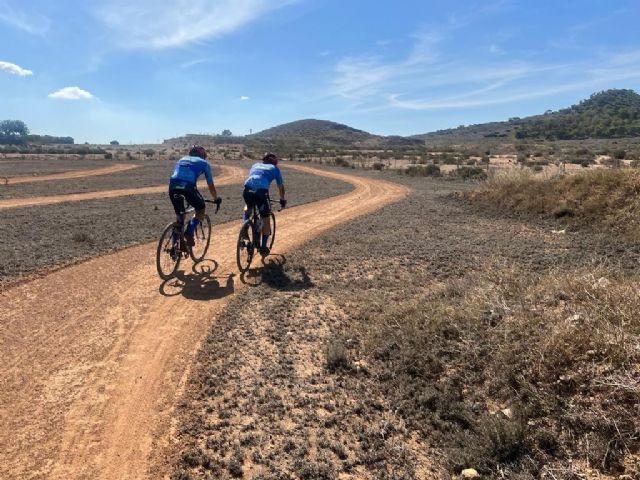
(273, 274)
(201, 284)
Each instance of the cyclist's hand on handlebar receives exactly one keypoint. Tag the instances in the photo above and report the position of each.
(283, 203)
(217, 201)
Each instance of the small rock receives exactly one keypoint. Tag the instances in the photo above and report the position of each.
(559, 232)
(602, 283)
(469, 473)
(507, 412)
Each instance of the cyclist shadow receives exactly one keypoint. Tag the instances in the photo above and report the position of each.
(273, 274)
(200, 284)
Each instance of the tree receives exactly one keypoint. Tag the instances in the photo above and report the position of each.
(114, 142)
(226, 133)
(9, 128)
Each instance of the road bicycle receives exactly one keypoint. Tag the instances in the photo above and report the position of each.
(172, 246)
(250, 236)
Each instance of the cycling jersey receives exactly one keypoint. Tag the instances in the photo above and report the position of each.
(261, 175)
(188, 169)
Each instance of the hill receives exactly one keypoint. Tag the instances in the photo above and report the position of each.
(309, 132)
(609, 114)
(324, 132)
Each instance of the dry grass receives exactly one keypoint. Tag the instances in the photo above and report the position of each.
(604, 197)
(519, 371)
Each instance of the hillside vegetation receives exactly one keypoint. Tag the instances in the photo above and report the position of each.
(609, 114)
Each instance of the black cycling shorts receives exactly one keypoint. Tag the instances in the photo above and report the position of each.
(190, 194)
(259, 198)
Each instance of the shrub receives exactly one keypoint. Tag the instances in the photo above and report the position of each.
(377, 166)
(423, 171)
(469, 173)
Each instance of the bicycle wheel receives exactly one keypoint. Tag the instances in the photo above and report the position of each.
(202, 239)
(168, 253)
(272, 221)
(245, 249)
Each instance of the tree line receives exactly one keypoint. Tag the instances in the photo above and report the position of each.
(16, 132)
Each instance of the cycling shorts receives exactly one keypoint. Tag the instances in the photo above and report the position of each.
(259, 198)
(189, 192)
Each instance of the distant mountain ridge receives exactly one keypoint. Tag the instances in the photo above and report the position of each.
(608, 114)
(312, 131)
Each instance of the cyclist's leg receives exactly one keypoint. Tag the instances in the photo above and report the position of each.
(195, 199)
(250, 200)
(265, 210)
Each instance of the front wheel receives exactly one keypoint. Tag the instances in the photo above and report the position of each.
(245, 249)
(272, 222)
(202, 239)
(168, 253)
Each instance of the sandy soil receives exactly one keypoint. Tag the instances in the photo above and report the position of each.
(229, 176)
(92, 172)
(96, 354)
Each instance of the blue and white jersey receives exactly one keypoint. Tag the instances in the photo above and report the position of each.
(261, 175)
(188, 169)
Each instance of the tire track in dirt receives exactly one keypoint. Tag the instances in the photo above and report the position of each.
(229, 176)
(91, 172)
(95, 357)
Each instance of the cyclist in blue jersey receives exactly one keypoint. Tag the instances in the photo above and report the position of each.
(183, 183)
(256, 192)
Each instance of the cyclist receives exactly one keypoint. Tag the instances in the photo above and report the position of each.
(256, 192)
(184, 182)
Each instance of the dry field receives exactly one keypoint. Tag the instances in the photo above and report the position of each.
(431, 336)
(400, 330)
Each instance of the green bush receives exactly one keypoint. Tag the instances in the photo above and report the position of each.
(469, 173)
(423, 171)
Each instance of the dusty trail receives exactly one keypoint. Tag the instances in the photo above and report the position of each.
(91, 172)
(95, 357)
(229, 176)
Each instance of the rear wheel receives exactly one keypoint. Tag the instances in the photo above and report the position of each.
(272, 221)
(202, 239)
(168, 254)
(245, 249)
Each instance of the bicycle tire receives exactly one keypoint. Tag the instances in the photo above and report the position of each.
(167, 269)
(272, 221)
(245, 246)
(204, 228)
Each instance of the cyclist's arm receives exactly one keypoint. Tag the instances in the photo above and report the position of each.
(209, 176)
(279, 182)
(212, 191)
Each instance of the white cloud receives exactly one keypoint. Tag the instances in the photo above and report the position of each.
(161, 24)
(71, 93)
(31, 22)
(15, 69)
(244, 97)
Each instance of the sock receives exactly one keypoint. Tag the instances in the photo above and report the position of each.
(192, 225)
(265, 239)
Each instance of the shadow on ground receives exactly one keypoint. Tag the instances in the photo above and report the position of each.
(272, 273)
(200, 284)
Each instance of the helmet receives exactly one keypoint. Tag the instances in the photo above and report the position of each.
(270, 158)
(198, 151)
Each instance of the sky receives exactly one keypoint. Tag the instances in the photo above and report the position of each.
(141, 70)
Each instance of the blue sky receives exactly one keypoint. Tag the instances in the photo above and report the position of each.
(142, 70)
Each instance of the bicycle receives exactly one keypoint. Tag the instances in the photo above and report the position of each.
(250, 236)
(172, 246)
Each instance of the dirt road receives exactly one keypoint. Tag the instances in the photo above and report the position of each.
(91, 172)
(229, 176)
(96, 355)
